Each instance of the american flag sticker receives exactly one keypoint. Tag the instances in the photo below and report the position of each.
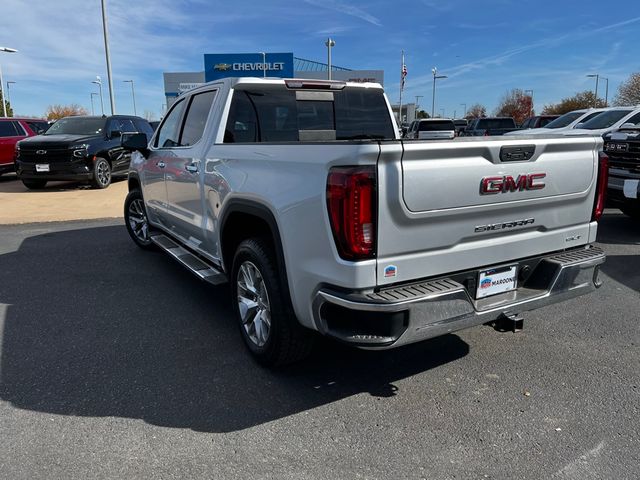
(390, 271)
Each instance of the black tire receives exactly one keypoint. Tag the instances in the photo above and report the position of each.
(286, 341)
(34, 184)
(136, 220)
(631, 211)
(101, 173)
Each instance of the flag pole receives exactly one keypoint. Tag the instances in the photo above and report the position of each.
(401, 88)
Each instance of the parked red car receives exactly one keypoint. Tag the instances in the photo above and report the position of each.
(12, 130)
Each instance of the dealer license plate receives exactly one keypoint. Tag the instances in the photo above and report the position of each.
(42, 167)
(496, 280)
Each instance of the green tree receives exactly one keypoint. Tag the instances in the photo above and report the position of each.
(7, 105)
(422, 114)
(629, 91)
(515, 104)
(586, 99)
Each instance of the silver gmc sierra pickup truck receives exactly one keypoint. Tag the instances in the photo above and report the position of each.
(301, 195)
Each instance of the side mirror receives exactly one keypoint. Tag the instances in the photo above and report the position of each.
(115, 134)
(627, 126)
(135, 141)
(579, 125)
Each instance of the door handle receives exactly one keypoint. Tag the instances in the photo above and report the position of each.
(160, 165)
(193, 168)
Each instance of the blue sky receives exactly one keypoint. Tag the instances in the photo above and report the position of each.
(485, 47)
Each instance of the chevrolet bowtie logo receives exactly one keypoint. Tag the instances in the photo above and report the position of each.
(41, 152)
(222, 66)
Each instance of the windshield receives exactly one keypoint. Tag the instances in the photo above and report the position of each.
(605, 119)
(564, 120)
(77, 126)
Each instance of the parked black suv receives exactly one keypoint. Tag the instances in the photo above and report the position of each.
(623, 149)
(78, 148)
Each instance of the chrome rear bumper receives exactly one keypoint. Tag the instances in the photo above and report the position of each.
(409, 313)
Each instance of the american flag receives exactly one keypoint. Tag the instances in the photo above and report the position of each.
(403, 74)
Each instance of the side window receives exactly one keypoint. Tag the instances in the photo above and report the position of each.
(242, 125)
(635, 119)
(126, 125)
(7, 129)
(20, 131)
(167, 137)
(143, 126)
(196, 118)
(38, 127)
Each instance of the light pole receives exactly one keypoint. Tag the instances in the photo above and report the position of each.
(597, 76)
(9, 96)
(92, 109)
(330, 44)
(606, 92)
(133, 95)
(4, 102)
(465, 109)
(418, 97)
(434, 70)
(531, 104)
(264, 64)
(108, 56)
(98, 82)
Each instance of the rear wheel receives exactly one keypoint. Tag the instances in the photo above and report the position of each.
(34, 184)
(268, 325)
(135, 218)
(101, 173)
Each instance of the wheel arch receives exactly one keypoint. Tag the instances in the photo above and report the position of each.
(243, 219)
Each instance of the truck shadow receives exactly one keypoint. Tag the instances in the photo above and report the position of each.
(95, 327)
(616, 228)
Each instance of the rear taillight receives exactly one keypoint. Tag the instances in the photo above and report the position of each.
(351, 203)
(601, 187)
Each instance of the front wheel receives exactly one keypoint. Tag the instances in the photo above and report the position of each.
(268, 324)
(136, 220)
(101, 173)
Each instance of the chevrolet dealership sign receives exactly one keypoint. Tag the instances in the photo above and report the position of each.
(248, 65)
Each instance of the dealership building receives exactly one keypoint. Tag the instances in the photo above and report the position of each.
(274, 65)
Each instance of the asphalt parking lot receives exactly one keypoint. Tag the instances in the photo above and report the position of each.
(117, 363)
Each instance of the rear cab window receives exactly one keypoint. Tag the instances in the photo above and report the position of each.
(437, 126)
(496, 123)
(274, 113)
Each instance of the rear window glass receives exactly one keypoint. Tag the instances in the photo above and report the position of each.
(437, 126)
(497, 123)
(267, 114)
(605, 119)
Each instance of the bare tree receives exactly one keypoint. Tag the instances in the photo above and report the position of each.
(629, 91)
(476, 111)
(55, 112)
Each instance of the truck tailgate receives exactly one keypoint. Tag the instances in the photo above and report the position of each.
(453, 206)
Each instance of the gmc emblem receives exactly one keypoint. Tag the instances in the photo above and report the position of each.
(41, 152)
(506, 183)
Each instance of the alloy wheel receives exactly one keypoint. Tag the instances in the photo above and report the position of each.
(253, 304)
(138, 220)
